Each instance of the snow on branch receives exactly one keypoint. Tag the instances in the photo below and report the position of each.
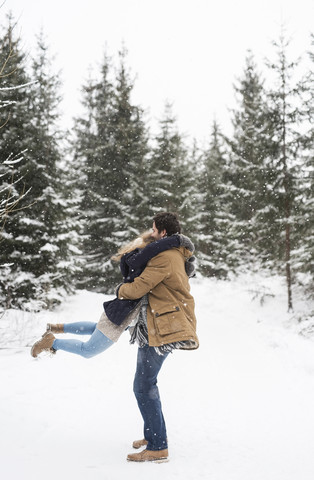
(15, 159)
(17, 87)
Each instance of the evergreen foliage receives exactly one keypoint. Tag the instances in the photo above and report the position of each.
(171, 177)
(12, 71)
(50, 258)
(65, 208)
(130, 150)
(249, 189)
(32, 243)
(93, 168)
(303, 255)
(111, 146)
(212, 214)
(15, 119)
(287, 116)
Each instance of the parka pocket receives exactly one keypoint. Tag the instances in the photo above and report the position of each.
(169, 320)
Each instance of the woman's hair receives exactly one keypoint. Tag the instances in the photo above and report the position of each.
(139, 242)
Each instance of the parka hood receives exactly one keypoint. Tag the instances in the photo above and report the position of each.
(187, 249)
(186, 243)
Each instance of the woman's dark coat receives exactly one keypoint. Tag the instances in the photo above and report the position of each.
(132, 265)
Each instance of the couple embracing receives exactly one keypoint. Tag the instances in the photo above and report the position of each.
(155, 304)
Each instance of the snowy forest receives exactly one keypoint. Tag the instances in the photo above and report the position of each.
(70, 199)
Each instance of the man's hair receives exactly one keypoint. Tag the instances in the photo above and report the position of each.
(167, 221)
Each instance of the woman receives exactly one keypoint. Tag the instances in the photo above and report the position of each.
(118, 314)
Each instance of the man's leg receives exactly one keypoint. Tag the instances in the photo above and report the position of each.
(146, 392)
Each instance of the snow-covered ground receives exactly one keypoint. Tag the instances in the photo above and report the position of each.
(239, 408)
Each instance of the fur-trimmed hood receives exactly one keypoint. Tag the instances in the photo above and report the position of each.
(186, 242)
(188, 249)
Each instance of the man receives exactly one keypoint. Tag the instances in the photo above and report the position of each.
(171, 324)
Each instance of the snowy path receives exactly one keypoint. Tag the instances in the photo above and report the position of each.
(239, 408)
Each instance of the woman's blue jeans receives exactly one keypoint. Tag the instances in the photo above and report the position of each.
(146, 392)
(97, 343)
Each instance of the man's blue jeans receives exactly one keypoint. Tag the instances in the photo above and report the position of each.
(146, 392)
(97, 343)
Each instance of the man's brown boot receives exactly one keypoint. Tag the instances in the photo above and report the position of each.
(140, 443)
(43, 345)
(157, 456)
(57, 328)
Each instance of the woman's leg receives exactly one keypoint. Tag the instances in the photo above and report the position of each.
(97, 344)
(80, 328)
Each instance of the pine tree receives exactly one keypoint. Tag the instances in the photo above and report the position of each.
(92, 137)
(56, 263)
(9, 186)
(36, 246)
(212, 216)
(111, 145)
(171, 180)
(303, 254)
(287, 116)
(250, 171)
(14, 121)
(131, 150)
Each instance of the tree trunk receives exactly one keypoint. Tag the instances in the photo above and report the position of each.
(288, 268)
(286, 184)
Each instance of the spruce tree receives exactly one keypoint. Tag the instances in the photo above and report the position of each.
(11, 186)
(250, 173)
(15, 123)
(92, 137)
(171, 176)
(303, 254)
(111, 146)
(52, 240)
(130, 153)
(287, 116)
(33, 240)
(212, 215)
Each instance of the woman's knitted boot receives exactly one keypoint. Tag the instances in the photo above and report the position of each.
(55, 328)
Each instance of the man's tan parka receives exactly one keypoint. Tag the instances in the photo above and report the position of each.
(170, 313)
